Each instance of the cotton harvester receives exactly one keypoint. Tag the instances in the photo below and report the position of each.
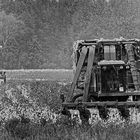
(107, 75)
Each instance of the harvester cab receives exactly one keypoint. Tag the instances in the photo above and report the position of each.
(107, 73)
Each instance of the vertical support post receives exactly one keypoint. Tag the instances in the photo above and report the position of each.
(78, 70)
(88, 72)
(100, 81)
(134, 72)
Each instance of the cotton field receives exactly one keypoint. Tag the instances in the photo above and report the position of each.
(16, 100)
(36, 107)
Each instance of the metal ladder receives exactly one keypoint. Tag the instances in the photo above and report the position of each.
(132, 63)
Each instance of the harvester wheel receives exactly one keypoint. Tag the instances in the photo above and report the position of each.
(77, 98)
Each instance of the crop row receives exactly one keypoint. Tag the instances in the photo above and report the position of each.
(39, 103)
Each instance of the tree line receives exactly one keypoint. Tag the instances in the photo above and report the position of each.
(39, 34)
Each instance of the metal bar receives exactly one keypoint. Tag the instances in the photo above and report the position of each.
(78, 70)
(108, 43)
(88, 72)
(90, 41)
(98, 104)
(112, 40)
(133, 65)
(88, 44)
(119, 94)
(117, 42)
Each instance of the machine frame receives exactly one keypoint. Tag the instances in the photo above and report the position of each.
(86, 52)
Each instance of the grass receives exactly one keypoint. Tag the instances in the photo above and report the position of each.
(65, 131)
(47, 93)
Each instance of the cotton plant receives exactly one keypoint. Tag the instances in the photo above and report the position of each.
(11, 94)
(8, 113)
(35, 111)
(24, 91)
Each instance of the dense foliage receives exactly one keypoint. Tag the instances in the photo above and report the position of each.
(31, 110)
(40, 33)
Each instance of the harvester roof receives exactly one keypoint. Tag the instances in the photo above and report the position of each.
(111, 62)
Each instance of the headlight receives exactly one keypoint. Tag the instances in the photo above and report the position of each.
(127, 67)
(121, 67)
(121, 88)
